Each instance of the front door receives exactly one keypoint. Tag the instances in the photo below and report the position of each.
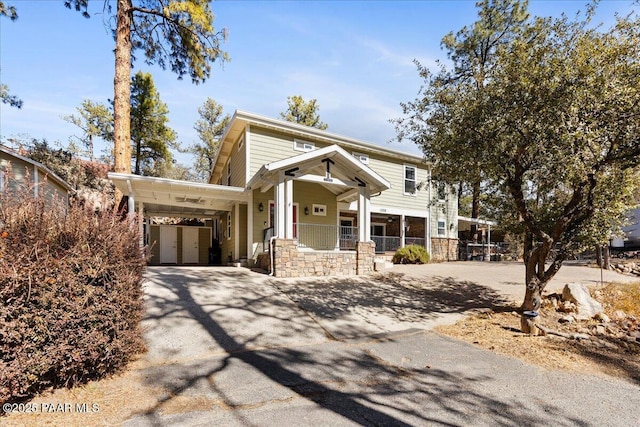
(190, 253)
(168, 245)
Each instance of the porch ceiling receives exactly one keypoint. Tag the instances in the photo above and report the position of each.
(169, 197)
(332, 167)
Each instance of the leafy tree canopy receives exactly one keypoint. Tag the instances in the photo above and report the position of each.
(303, 112)
(555, 128)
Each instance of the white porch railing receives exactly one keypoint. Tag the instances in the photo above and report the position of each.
(386, 243)
(420, 241)
(326, 237)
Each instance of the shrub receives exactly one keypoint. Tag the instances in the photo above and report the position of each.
(70, 295)
(411, 254)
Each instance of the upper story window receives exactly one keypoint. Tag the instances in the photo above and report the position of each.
(229, 172)
(241, 142)
(442, 194)
(300, 145)
(362, 157)
(409, 179)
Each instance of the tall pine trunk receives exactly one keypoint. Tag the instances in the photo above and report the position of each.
(122, 91)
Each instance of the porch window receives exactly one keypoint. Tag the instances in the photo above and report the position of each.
(229, 231)
(409, 180)
(441, 227)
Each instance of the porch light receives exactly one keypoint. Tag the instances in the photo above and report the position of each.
(306, 210)
(261, 207)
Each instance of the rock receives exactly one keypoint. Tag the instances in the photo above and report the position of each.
(566, 319)
(619, 315)
(567, 307)
(601, 317)
(577, 293)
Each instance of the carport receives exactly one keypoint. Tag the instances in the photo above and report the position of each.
(168, 198)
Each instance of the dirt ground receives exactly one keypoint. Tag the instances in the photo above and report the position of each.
(600, 347)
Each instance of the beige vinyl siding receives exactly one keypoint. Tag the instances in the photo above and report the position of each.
(393, 171)
(243, 231)
(19, 176)
(446, 211)
(268, 146)
(238, 164)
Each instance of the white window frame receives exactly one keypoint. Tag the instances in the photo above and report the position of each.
(229, 229)
(444, 227)
(364, 158)
(318, 209)
(404, 180)
(301, 145)
(241, 142)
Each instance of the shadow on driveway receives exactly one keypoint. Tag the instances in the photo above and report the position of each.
(341, 383)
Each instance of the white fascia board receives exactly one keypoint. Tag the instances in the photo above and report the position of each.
(477, 220)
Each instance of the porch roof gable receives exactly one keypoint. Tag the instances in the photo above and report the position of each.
(331, 166)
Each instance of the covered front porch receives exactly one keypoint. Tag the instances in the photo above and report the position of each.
(297, 201)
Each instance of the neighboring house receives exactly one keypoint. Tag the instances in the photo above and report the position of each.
(19, 173)
(300, 201)
(631, 232)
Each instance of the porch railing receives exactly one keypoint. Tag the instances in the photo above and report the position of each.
(386, 243)
(326, 237)
(420, 241)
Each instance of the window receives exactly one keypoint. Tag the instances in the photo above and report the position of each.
(441, 191)
(241, 142)
(299, 145)
(229, 172)
(320, 210)
(441, 228)
(409, 179)
(229, 226)
(362, 157)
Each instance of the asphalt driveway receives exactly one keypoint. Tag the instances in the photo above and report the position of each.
(252, 350)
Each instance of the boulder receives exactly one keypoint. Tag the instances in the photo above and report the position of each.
(586, 306)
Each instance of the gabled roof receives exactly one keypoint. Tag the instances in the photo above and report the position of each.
(331, 166)
(171, 197)
(48, 172)
(241, 119)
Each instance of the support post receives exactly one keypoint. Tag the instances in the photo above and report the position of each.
(403, 231)
(279, 223)
(364, 215)
(288, 198)
(141, 223)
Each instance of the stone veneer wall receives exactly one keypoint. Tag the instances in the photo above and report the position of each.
(366, 252)
(443, 249)
(292, 262)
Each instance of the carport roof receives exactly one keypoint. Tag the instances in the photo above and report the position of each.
(170, 197)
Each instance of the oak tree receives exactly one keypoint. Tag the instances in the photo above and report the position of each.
(558, 128)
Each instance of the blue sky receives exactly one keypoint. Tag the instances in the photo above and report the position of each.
(354, 57)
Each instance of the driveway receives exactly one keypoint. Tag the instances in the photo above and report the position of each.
(247, 349)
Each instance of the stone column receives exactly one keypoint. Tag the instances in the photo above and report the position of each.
(365, 254)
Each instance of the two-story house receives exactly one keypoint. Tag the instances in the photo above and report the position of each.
(300, 201)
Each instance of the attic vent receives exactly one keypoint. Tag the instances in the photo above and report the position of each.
(299, 145)
(362, 157)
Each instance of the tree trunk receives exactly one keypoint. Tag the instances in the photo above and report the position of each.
(122, 91)
(605, 257)
(599, 255)
(534, 273)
